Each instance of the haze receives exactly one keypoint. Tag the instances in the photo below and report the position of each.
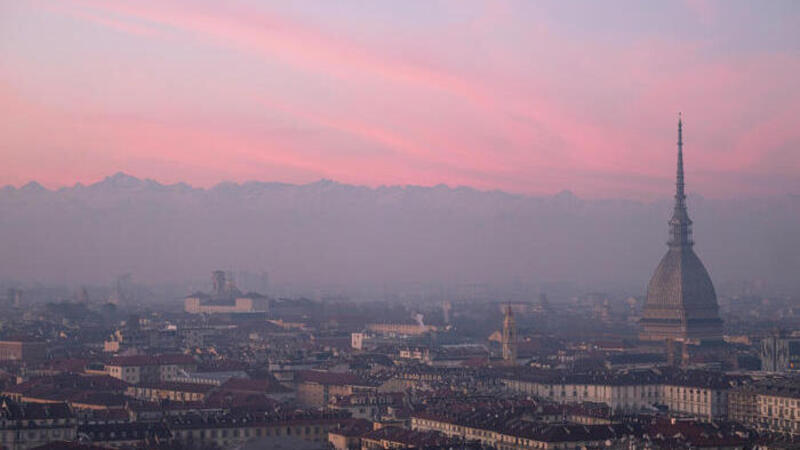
(331, 238)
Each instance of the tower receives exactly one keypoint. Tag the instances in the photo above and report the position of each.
(219, 279)
(509, 337)
(681, 301)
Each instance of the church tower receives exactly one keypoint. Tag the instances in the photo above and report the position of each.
(509, 337)
(681, 301)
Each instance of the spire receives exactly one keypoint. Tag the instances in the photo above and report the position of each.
(679, 194)
(680, 226)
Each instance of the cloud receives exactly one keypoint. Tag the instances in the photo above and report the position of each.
(506, 96)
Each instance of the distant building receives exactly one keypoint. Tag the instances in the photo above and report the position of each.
(509, 337)
(276, 427)
(700, 393)
(150, 369)
(315, 389)
(681, 301)
(771, 406)
(780, 353)
(15, 297)
(23, 351)
(447, 307)
(31, 425)
(504, 430)
(225, 298)
(406, 329)
(357, 340)
(173, 391)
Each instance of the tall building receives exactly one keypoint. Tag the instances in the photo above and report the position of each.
(681, 302)
(509, 337)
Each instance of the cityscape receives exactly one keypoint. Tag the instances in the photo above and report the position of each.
(234, 293)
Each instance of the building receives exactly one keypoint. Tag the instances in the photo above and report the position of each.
(681, 301)
(30, 425)
(14, 298)
(315, 389)
(173, 391)
(400, 438)
(150, 369)
(348, 435)
(124, 435)
(509, 430)
(79, 391)
(699, 393)
(509, 337)
(401, 329)
(771, 406)
(225, 298)
(368, 405)
(26, 351)
(780, 353)
(231, 430)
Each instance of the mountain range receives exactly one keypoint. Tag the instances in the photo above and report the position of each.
(328, 233)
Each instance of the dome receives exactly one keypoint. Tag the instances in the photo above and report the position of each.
(681, 301)
(681, 284)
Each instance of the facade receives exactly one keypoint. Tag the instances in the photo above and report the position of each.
(178, 392)
(627, 393)
(400, 438)
(701, 394)
(772, 406)
(150, 369)
(401, 329)
(368, 405)
(681, 300)
(228, 431)
(316, 389)
(518, 435)
(780, 353)
(124, 435)
(23, 351)
(30, 425)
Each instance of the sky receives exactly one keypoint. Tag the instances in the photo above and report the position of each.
(521, 96)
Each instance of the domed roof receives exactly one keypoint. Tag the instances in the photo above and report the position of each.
(681, 286)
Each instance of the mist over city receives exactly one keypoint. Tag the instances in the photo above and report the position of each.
(331, 239)
(377, 225)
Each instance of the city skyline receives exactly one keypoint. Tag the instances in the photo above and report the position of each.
(374, 224)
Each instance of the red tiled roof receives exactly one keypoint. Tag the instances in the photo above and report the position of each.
(178, 387)
(222, 365)
(259, 385)
(152, 360)
(337, 378)
(66, 382)
(240, 400)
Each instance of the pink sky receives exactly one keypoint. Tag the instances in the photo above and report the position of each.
(527, 97)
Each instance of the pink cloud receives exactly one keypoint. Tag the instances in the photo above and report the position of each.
(541, 113)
